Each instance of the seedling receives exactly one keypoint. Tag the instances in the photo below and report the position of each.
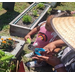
(35, 13)
(27, 19)
(40, 6)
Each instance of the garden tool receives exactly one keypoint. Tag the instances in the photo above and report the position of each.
(38, 50)
(33, 47)
(35, 50)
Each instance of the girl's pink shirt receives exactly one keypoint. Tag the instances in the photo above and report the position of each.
(44, 37)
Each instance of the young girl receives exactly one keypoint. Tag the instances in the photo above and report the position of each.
(45, 35)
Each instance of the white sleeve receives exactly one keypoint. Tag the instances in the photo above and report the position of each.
(41, 23)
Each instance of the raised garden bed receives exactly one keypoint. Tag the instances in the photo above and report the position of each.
(15, 48)
(20, 28)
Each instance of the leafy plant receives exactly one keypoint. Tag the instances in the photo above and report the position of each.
(35, 13)
(40, 6)
(5, 64)
(27, 19)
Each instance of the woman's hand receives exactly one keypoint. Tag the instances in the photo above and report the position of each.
(50, 47)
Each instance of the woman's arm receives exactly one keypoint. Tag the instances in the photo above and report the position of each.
(58, 43)
(53, 45)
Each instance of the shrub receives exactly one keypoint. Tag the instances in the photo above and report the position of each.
(27, 18)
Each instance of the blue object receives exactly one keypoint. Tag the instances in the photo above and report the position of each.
(37, 50)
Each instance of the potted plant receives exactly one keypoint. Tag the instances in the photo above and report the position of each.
(7, 44)
(11, 45)
(36, 10)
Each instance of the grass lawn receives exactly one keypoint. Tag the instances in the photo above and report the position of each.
(66, 6)
(7, 16)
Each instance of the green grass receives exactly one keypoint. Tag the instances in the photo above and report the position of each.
(66, 6)
(20, 6)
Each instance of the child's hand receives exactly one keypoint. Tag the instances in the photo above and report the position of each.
(26, 37)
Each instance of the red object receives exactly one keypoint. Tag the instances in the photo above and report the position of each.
(21, 67)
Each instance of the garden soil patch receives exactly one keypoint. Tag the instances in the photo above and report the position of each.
(30, 13)
(20, 22)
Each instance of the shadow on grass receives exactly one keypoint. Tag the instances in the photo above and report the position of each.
(7, 17)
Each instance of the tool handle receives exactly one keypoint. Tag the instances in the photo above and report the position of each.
(38, 53)
(37, 50)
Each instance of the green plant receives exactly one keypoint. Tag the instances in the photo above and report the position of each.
(6, 65)
(7, 43)
(35, 13)
(27, 19)
(40, 6)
